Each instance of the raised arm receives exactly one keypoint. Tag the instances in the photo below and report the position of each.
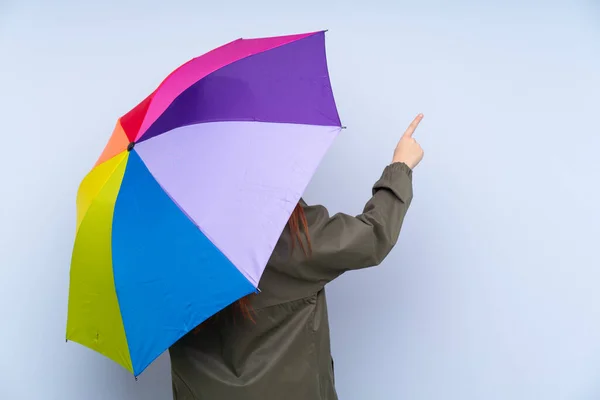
(343, 242)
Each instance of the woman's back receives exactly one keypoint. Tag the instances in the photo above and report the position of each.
(284, 351)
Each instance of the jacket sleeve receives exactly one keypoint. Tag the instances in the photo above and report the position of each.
(342, 242)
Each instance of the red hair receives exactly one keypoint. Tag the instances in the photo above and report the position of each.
(297, 225)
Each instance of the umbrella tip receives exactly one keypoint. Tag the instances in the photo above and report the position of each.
(130, 146)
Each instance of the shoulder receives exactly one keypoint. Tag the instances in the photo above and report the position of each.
(314, 213)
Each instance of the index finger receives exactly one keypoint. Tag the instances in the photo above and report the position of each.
(413, 126)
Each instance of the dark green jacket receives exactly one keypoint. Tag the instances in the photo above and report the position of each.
(285, 354)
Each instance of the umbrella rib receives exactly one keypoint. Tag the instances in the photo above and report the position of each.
(109, 176)
(258, 121)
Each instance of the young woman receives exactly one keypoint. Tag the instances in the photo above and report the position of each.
(275, 345)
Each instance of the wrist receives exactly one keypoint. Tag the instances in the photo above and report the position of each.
(401, 165)
(401, 161)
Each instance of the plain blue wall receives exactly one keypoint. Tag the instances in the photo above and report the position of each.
(492, 292)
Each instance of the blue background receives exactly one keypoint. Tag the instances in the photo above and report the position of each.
(492, 292)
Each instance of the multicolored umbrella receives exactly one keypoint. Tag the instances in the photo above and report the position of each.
(181, 212)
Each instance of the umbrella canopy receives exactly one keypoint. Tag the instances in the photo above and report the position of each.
(182, 210)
